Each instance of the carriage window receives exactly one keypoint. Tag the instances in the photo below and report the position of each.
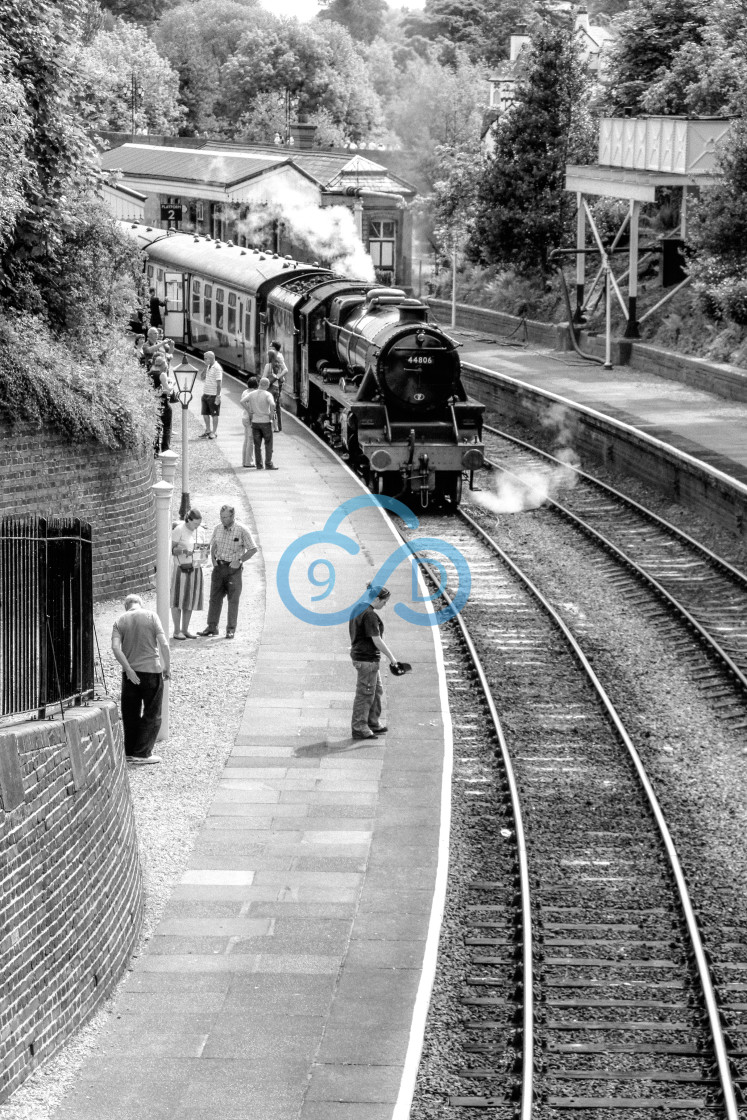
(219, 297)
(160, 275)
(207, 316)
(231, 325)
(150, 271)
(174, 295)
(196, 288)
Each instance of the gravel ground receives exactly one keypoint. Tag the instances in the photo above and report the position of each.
(696, 760)
(211, 678)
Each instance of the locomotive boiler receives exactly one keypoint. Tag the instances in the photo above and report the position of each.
(366, 367)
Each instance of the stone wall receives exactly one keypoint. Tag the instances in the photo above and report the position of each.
(42, 473)
(70, 882)
(723, 380)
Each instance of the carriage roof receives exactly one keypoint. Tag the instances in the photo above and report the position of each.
(233, 265)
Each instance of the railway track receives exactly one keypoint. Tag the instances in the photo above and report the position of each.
(706, 592)
(618, 1011)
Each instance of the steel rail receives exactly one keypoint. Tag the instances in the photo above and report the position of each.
(527, 1059)
(699, 954)
(718, 561)
(689, 619)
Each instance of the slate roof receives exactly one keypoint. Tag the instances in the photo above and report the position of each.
(331, 170)
(218, 168)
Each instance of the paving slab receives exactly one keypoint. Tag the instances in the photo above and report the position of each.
(282, 979)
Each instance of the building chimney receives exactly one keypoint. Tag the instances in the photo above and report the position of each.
(302, 135)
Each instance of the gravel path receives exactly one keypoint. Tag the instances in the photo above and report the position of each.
(211, 678)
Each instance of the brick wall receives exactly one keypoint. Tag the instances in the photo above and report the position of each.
(40, 472)
(70, 883)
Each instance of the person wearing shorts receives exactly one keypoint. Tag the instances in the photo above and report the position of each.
(212, 378)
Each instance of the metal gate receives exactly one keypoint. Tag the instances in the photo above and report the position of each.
(46, 614)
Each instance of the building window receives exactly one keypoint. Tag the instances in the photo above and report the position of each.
(199, 212)
(207, 316)
(381, 243)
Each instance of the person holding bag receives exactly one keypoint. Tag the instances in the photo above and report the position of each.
(189, 552)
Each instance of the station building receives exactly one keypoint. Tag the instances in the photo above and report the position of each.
(249, 194)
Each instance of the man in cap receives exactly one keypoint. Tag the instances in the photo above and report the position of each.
(230, 545)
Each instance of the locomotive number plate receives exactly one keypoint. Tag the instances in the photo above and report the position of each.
(419, 360)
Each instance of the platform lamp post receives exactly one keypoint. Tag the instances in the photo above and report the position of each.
(184, 375)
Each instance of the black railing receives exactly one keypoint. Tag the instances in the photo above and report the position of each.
(46, 613)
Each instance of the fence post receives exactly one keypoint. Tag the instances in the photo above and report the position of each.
(168, 466)
(163, 492)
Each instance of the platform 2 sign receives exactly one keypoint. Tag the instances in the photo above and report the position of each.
(172, 215)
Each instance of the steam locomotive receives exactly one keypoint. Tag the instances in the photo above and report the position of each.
(365, 366)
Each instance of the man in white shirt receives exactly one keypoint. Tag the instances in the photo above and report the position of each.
(261, 408)
(212, 378)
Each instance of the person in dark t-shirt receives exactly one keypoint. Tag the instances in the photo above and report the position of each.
(156, 304)
(366, 647)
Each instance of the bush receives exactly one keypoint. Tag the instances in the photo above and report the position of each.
(108, 399)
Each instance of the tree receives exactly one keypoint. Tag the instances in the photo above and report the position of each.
(717, 235)
(198, 38)
(363, 19)
(481, 28)
(523, 208)
(652, 34)
(127, 83)
(137, 11)
(316, 66)
(438, 107)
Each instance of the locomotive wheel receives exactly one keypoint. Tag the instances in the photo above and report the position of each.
(387, 482)
(449, 485)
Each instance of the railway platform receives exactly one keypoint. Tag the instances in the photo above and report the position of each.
(699, 422)
(289, 976)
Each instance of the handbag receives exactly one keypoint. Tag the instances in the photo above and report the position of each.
(186, 568)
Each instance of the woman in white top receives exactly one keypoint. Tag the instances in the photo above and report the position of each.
(247, 452)
(186, 573)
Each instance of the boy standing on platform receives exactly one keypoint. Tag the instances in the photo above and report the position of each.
(366, 647)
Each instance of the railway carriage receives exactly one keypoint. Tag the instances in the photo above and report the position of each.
(366, 368)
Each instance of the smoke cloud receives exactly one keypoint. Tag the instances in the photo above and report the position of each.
(328, 233)
(516, 493)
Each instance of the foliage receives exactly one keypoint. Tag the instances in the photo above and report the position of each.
(44, 382)
(55, 159)
(717, 235)
(119, 64)
(317, 66)
(15, 128)
(438, 107)
(363, 19)
(451, 206)
(503, 289)
(524, 210)
(480, 28)
(137, 11)
(198, 37)
(652, 35)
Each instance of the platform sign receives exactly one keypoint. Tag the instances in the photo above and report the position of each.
(172, 215)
